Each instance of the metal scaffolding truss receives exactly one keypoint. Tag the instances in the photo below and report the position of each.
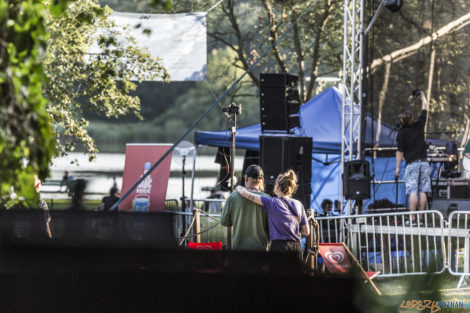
(352, 85)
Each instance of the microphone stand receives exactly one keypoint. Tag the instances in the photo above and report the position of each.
(396, 193)
(232, 111)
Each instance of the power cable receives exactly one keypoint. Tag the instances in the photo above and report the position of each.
(214, 6)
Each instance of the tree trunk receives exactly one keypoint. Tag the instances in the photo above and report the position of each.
(382, 97)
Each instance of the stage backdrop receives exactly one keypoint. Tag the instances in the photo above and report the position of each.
(151, 193)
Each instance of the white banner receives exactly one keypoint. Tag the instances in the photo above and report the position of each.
(179, 40)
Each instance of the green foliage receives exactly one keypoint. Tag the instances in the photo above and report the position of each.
(80, 81)
(174, 108)
(450, 99)
(113, 137)
(27, 141)
(158, 6)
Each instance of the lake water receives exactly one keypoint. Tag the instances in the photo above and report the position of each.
(100, 174)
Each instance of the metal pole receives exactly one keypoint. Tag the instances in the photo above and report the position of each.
(234, 110)
(197, 225)
(372, 21)
(232, 153)
(183, 173)
(396, 194)
(191, 203)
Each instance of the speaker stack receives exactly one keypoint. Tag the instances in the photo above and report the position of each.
(279, 102)
(281, 153)
(279, 150)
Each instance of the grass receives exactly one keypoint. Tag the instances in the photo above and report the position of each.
(62, 204)
(432, 287)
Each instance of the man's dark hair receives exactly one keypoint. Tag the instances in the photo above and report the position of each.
(254, 171)
(406, 117)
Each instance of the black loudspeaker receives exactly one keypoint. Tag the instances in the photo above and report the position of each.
(251, 157)
(459, 189)
(281, 153)
(356, 180)
(451, 150)
(279, 102)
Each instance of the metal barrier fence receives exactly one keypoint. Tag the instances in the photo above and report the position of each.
(212, 206)
(171, 203)
(207, 222)
(458, 253)
(391, 243)
(211, 229)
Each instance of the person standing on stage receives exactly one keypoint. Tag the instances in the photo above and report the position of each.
(412, 147)
(249, 221)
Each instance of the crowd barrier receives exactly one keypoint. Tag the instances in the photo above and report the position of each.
(458, 234)
(389, 243)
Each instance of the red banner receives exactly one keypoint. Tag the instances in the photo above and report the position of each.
(150, 195)
(205, 245)
(335, 257)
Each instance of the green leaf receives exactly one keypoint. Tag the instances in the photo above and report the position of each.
(57, 7)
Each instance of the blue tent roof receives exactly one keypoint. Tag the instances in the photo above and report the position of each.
(320, 119)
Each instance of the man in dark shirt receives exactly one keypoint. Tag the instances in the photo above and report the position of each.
(412, 147)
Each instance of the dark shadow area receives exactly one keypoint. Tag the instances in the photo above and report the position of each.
(128, 265)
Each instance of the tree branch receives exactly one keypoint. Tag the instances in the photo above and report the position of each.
(220, 39)
(412, 22)
(241, 43)
(300, 56)
(274, 36)
(316, 48)
(399, 54)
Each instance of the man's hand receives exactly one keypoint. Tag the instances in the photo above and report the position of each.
(397, 173)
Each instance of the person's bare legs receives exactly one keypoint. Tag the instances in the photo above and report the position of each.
(422, 202)
(413, 202)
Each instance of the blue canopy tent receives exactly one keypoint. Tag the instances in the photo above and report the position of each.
(321, 119)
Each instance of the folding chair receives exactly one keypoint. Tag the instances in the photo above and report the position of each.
(337, 259)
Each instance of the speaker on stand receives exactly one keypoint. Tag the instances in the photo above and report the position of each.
(356, 180)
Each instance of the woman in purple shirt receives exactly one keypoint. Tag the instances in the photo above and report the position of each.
(286, 216)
